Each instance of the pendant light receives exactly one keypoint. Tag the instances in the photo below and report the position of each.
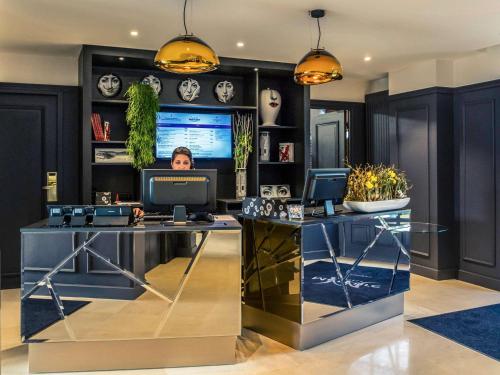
(186, 54)
(318, 65)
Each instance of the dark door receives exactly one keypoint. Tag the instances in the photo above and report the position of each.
(328, 140)
(38, 134)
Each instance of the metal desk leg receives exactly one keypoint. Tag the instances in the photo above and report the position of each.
(394, 272)
(337, 267)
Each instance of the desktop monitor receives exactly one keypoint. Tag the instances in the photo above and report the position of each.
(327, 186)
(162, 189)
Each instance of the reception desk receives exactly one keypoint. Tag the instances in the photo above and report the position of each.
(307, 282)
(92, 299)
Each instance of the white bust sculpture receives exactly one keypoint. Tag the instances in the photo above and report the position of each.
(224, 90)
(154, 82)
(270, 104)
(189, 90)
(109, 85)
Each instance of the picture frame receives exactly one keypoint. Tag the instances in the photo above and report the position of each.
(111, 155)
(295, 211)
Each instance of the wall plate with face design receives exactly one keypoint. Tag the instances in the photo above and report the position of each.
(154, 82)
(224, 91)
(275, 191)
(189, 90)
(109, 85)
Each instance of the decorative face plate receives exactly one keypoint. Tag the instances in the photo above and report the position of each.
(224, 90)
(109, 85)
(154, 82)
(189, 90)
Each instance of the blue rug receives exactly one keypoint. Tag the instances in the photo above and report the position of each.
(478, 329)
(38, 314)
(365, 284)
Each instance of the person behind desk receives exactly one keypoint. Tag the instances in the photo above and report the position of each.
(178, 244)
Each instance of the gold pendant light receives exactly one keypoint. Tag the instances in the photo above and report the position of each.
(186, 54)
(318, 65)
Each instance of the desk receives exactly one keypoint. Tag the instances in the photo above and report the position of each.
(304, 284)
(185, 312)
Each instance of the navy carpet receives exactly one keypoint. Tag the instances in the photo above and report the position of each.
(38, 314)
(478, 328)
(365, 284)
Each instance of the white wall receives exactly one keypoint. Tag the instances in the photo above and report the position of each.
(377, 85)
(348, 89)
(39, 69)
(479, 67)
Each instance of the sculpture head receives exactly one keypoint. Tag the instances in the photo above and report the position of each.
(189, 90)
(109, 85)
(224, 91)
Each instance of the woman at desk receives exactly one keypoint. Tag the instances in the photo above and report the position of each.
(182, 159)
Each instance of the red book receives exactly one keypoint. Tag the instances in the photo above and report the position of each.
(97, 127)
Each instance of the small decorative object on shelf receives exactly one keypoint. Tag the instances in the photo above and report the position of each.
(286, 152)
(103, 198)
(224, 91)
(243, 138)
(270, 104)
(189, 89)
(107, 131)
(275, 191)
(372, 188)
(265, 145)
(264, 207)
(112, 155)
(154, 82)
(295, 211)
(143, 105)
(96, 126)
(109, 85)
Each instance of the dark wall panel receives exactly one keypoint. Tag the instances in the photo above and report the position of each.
(377, 127)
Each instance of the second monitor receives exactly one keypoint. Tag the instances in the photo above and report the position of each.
(162, 189)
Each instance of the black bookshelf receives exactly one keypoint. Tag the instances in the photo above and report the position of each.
(248, 77)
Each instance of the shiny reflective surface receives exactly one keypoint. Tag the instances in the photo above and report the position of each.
(316, 67)
(305, 272)
(195, 295)
(186, 54)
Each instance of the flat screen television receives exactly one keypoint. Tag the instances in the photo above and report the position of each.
(207, 135)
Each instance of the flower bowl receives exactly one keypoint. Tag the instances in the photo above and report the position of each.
(375, 206)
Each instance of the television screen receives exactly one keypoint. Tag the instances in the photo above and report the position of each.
(207, 135)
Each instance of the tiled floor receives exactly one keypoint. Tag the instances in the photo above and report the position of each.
(391, 347)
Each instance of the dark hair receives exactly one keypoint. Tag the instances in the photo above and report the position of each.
(183, 151)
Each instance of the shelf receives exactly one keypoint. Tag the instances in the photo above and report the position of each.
(276, 163)
(108, 142)
(181, 105)
(276, 127)
(110, 164)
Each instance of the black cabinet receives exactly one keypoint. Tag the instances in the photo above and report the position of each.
(477, 121)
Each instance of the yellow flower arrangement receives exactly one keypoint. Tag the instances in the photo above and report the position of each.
(369, 183)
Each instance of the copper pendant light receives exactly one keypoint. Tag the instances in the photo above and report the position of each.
(186, 54)
(318, 65)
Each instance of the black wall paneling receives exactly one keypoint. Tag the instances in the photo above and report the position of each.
(248, 77)
(356, 124)
(39, 130)
(477, 121)
(421, 144)
(377, 127)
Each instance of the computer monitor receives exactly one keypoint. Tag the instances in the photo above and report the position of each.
(162, 189)
(327, 186)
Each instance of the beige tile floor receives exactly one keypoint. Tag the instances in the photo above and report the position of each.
(391, 347)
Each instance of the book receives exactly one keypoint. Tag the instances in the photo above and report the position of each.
(97, 127)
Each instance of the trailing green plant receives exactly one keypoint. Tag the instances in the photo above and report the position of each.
(143, 105)
(243, 134)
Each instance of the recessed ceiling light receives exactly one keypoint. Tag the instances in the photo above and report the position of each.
(240, 44)
(134, 33)
(368, 58)
(121, 58)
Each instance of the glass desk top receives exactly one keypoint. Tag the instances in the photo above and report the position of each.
(415, 227)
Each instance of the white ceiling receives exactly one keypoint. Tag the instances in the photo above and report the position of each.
(393, 32)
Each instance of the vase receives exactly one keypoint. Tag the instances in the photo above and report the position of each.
(270, 104)
(265, 146)
(241, 183)
(375, 206)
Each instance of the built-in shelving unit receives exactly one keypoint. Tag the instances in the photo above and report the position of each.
(248, 78)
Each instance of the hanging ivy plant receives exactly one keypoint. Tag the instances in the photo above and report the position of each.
(141, 118)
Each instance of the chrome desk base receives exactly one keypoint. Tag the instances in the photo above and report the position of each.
(307, 335)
